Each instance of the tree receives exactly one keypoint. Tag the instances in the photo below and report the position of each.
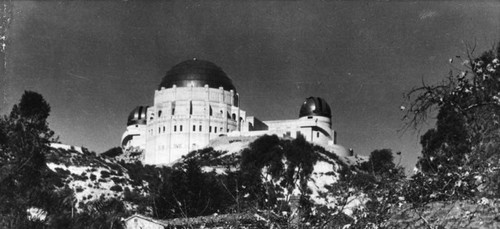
(459, 154)
(24, 141)
(380, 162)
(113, 152)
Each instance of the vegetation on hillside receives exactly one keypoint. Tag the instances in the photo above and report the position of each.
(460, 157)
(460, 161)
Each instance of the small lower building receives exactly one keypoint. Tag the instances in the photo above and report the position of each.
(242, 220)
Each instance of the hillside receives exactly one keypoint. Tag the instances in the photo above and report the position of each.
(286, 169)
(227, 154)
(91, 177)
(286, 178)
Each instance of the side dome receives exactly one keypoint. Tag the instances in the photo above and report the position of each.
(315, 106)
(197, 73)
(137, 116)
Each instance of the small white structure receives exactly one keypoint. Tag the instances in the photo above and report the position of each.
(196, 102)
(142, 222)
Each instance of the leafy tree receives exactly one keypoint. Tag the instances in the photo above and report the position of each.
(186, 191)
(102, 213)
(459, 153)
(381, 163)
(24, 141)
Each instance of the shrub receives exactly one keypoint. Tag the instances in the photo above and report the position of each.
(105, 174)
(116, 188)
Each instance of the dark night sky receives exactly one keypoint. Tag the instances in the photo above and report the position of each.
(94, 61)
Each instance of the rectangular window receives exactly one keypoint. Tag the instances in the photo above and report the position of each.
(215, 129)
(194, 128)
(163, 129)
(199, 128)
(159, 130)
(175, 128)
(210, 129)
(180, 128)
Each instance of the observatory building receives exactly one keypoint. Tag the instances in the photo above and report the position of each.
(197, 102)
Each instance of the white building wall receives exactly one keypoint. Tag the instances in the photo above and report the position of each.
(184, 119)
(138, 138)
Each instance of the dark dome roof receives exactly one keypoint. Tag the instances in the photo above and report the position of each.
(197, 73)
(315, 106)
(137, 116)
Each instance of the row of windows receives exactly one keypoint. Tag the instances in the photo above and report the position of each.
(200, 129)
(233, 116)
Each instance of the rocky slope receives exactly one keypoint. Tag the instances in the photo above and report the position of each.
(91, 177)
(282, 175)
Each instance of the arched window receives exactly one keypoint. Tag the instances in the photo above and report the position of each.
(235, 102)
(190, 107)
(210, 111)
(234, 117)
(159, 113)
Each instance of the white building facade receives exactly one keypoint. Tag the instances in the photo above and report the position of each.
(197, 102)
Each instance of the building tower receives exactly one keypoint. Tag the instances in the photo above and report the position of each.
(315, 117)
(134, 139)
(195, 102)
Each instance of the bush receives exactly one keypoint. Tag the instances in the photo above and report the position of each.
(105, 174)
(116, 188)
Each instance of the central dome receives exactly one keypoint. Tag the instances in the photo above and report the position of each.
(197, 73)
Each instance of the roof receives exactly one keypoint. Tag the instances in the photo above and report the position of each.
(243, 218)
(197, 73)
(315, 106)
(137, 116)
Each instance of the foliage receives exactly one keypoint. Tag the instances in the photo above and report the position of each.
(27, 183)
(459, 156)
(378, 183)
(113, 152)
(25, 180)
(187, 192)
(103, 213)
